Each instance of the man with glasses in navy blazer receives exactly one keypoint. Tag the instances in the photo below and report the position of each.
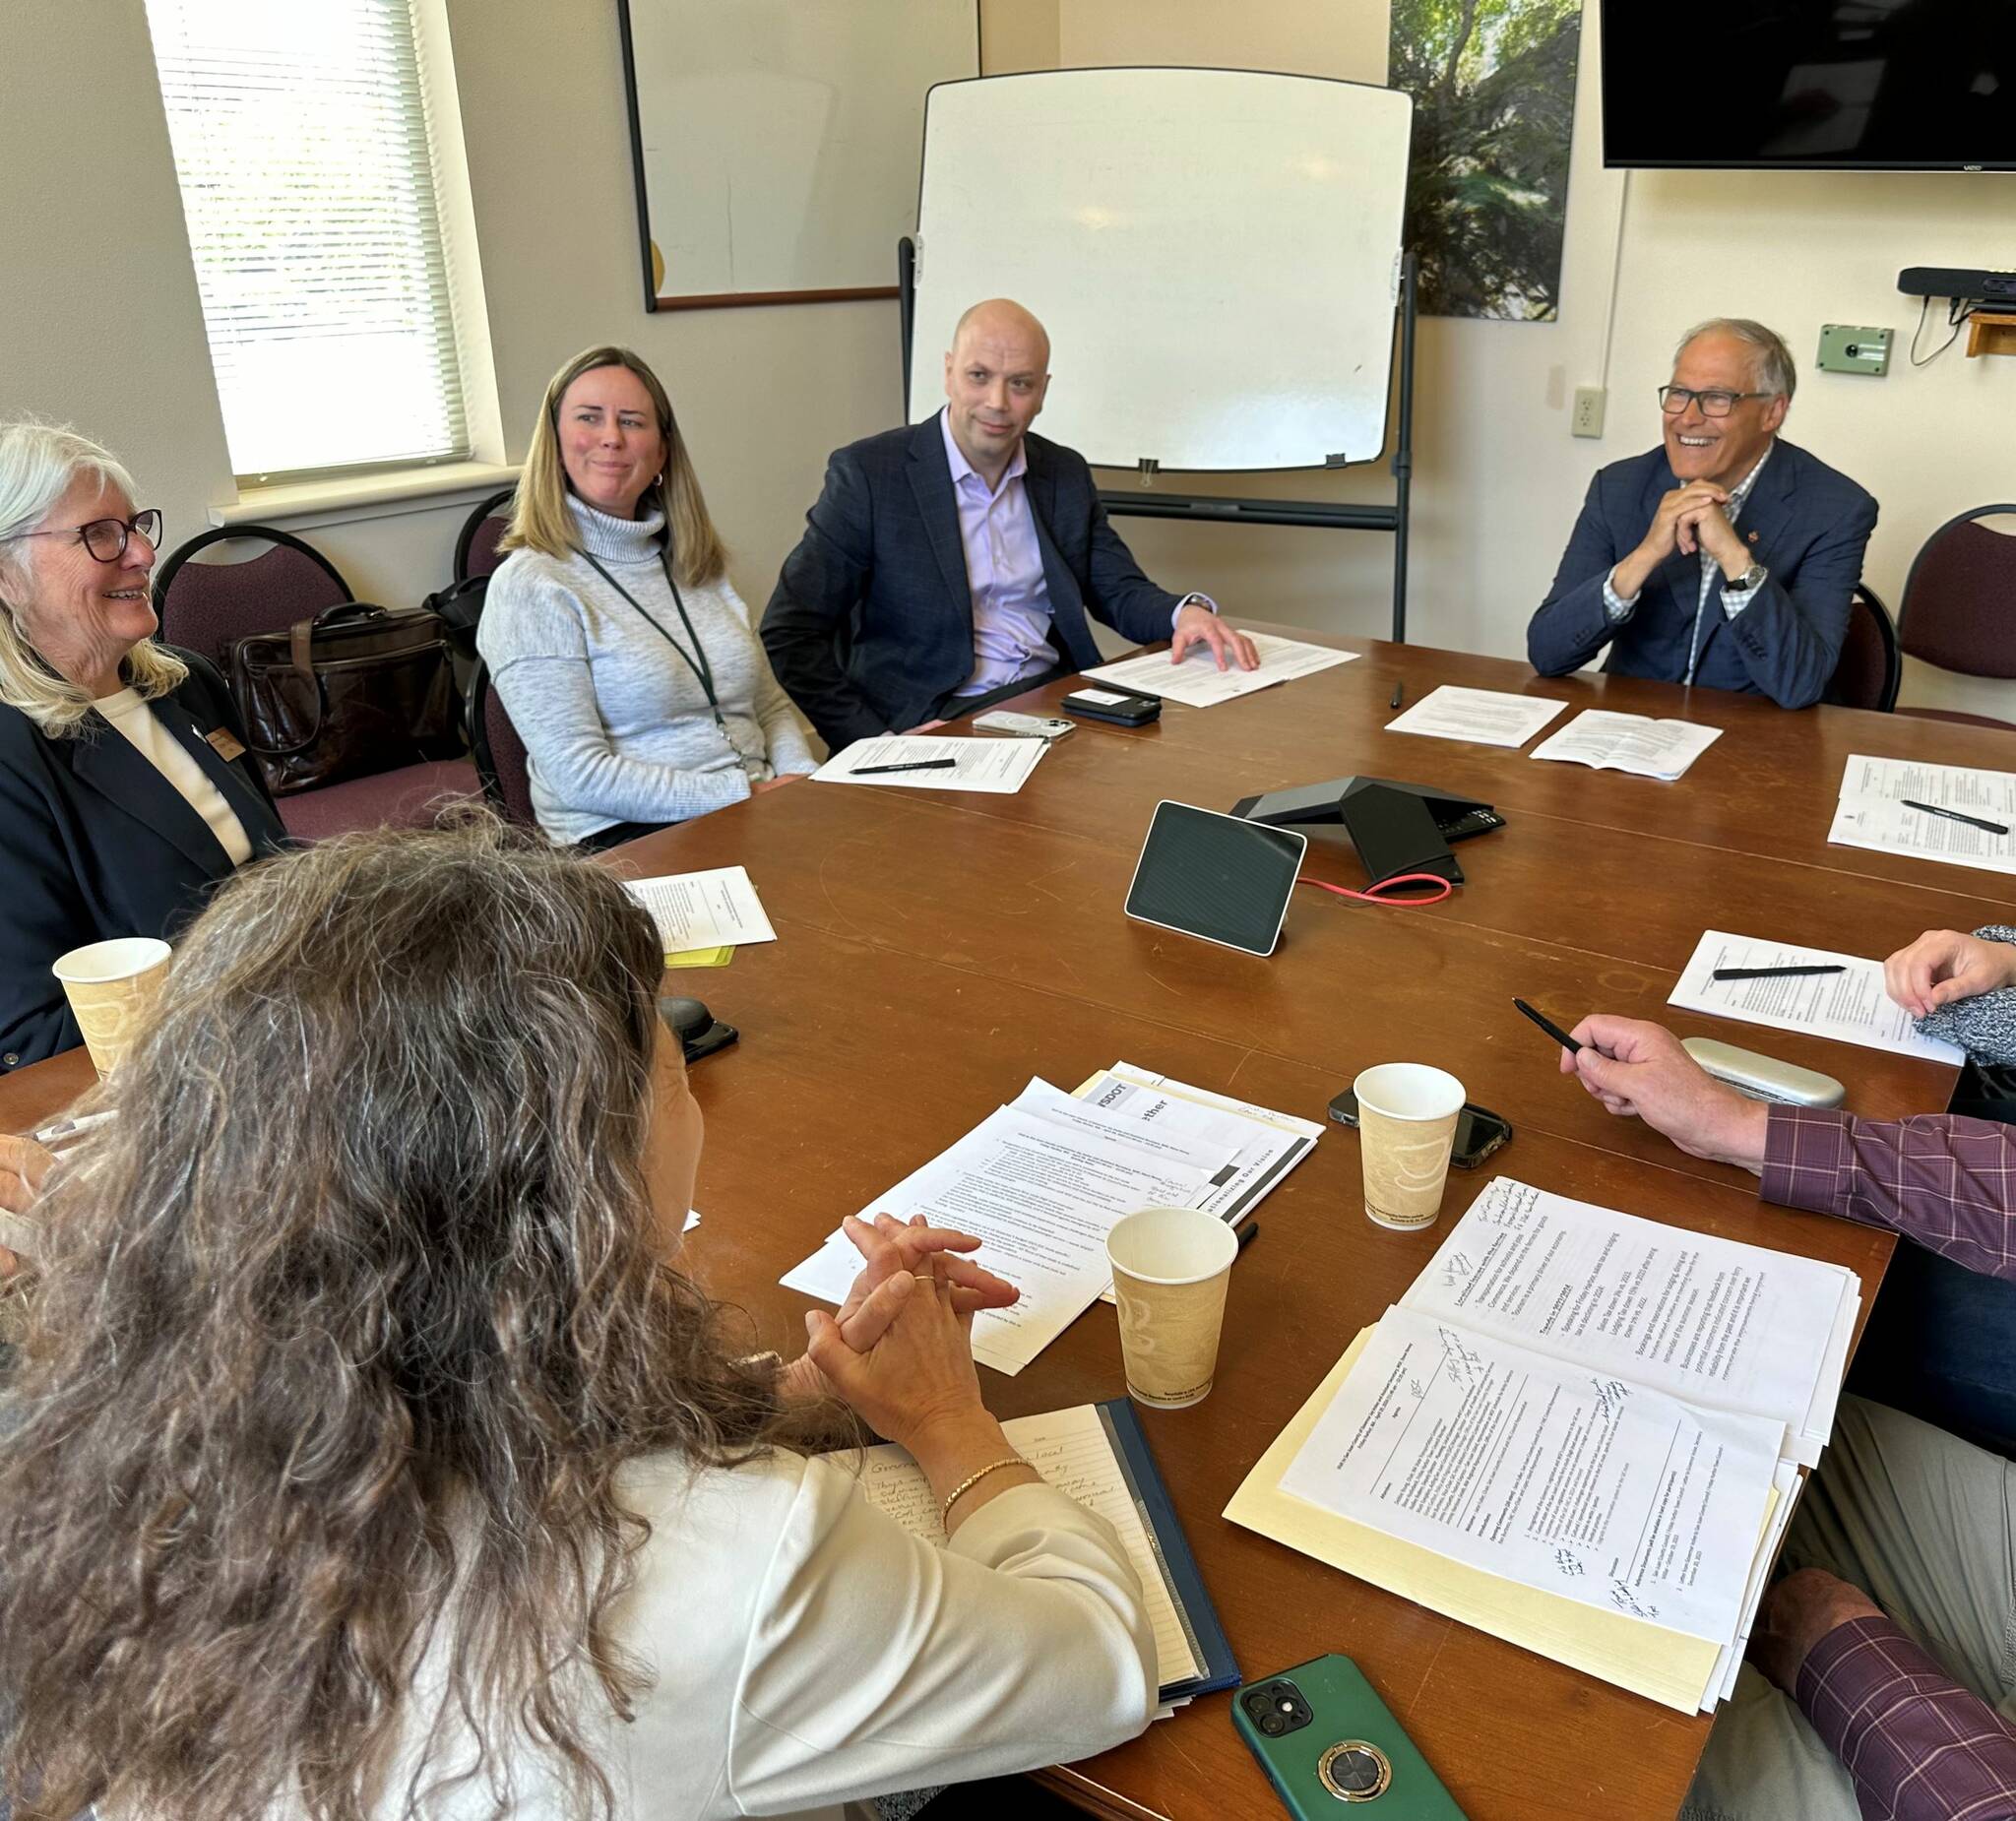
(953, 563)
(1725, 557)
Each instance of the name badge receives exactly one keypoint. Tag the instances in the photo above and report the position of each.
(224, 743)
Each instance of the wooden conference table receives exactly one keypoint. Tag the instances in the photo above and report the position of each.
(936, 950)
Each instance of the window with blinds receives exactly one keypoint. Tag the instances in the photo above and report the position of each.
(307, 172)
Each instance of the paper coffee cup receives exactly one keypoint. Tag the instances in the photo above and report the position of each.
(1170, 1270)
(112, 986)
(1406, 1124)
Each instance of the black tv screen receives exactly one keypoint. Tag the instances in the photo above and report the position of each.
(1812, 85)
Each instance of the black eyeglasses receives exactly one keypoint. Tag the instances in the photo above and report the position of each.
(1714, 402)
(107, 538)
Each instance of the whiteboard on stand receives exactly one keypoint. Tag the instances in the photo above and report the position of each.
(1214, 253)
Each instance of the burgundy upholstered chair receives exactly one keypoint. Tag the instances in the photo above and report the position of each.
(1868, 671)
(501, 760)
(1959, 607)
(476, 550)
(205, 606)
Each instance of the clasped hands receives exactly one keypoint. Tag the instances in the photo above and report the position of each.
(1689, 518)
(900, 1262)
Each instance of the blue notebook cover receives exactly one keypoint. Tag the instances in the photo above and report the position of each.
(1173, 1551)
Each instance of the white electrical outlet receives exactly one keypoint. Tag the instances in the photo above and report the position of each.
(1587, 418)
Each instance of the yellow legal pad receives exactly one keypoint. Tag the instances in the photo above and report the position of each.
(702, 958)
(1666, 1667)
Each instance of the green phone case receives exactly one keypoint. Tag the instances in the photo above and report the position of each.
(1345, 1709)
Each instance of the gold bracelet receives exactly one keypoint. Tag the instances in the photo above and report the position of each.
(967, 1485)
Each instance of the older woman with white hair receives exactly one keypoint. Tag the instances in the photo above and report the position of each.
(125, 791)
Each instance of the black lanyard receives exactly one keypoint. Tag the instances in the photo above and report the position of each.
(696, 662)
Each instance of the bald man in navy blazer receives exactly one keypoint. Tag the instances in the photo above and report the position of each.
(953, 563)
(1725, 557)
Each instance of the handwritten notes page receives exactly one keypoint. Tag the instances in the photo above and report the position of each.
(1722, 1324)
(1851, 1007)
(1873, 812)
(1041, 1197)
(1197, 682)
(703, 909)
(1071, 1450)
(1607, 1493)
(1483, 716)
(989, 764)
(1635, 743)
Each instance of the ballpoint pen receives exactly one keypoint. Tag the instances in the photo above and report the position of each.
(1802, 972)
(1399, 690)
(914, 765)
(1548, 1024)
(1955, 815)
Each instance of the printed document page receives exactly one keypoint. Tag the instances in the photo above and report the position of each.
(1197, 682)
(998, 766)
(1787, 1484)
(1636, 744)
(1483, 716)
(1610, 1495)
(1071, 1450)
(1892, 827)
(1040, 1198)
(1850, 1007)
(703, 909)
(1722, 1324)
(1990, 794)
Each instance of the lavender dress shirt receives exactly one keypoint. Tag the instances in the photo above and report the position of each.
(1004, 568)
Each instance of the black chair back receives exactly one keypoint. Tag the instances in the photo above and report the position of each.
(1869, 668)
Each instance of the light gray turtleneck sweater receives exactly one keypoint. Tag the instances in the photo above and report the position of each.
(616, 723)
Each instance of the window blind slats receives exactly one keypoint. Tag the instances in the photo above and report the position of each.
(308, 177)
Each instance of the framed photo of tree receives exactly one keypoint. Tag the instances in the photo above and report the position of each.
(1493, 86)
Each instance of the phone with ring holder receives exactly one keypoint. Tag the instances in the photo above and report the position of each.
(1327, 1741)
(1478, 1130)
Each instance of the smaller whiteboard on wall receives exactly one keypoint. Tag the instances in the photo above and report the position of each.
(776, 141)
(1214, 253)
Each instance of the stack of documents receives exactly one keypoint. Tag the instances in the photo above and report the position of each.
(1197, 682)
(1098, 1455)
(998, 766)
(1579, 1431)
(1894, 805)
(702, 917)
(1851, 1006)
(1042, 1182)
(1483, 716)
(1635, 743)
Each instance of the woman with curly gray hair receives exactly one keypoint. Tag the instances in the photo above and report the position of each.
(365, 1456)
(125, 792)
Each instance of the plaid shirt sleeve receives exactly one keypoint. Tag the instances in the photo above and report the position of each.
(1946, 1183)
(1919, 1747)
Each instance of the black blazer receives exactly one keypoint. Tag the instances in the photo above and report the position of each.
(99, 843)
(871, 622)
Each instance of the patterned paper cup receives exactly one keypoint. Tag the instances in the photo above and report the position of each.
(1170, 1270)
(112, 986)
(1407, 1121)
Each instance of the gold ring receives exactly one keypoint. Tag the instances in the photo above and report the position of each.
(925, 1277)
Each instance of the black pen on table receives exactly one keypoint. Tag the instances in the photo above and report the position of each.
(1799, 973)
(1399, 690)
(1954, 815)
(912, 765)
(1248, 1233)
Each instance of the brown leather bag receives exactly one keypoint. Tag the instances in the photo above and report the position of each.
(355, 690)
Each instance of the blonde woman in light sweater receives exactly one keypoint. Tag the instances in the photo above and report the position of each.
(614, 639)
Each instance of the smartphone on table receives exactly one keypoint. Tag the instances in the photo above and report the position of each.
(1478, 1130)
(1327, 1743)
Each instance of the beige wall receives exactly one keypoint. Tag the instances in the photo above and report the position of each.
(104, 326)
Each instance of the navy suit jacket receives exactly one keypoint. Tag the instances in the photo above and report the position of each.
(99, 843)
(870, 626)
(1806, 524)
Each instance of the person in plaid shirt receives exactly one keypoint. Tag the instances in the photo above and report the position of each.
(1882, 1674)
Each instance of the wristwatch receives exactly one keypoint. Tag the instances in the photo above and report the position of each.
(1752, 576)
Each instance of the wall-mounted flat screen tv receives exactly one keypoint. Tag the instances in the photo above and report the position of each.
(1812, 85)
